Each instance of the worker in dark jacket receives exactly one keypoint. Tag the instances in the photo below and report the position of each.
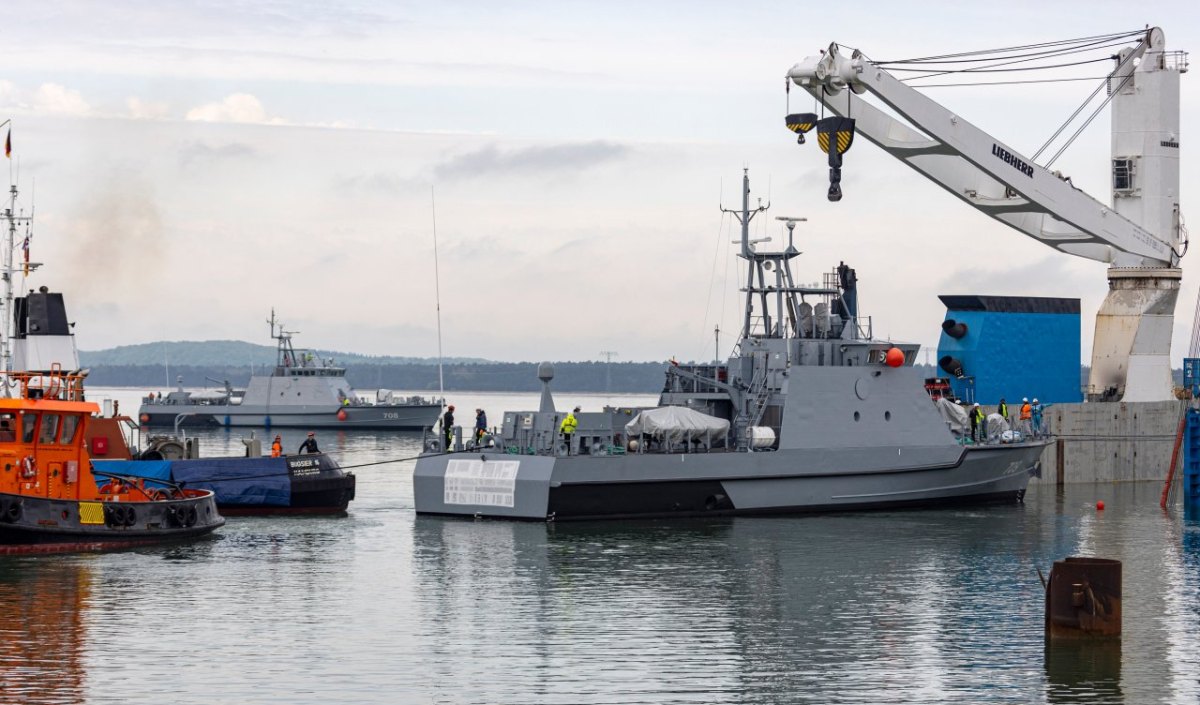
(310, 445)
(978, 431)
(480, 424)
(1003, 409)
(448, 427)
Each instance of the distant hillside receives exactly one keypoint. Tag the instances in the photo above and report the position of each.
(221, 353)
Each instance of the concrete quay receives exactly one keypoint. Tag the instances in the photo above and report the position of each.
(1111, 441)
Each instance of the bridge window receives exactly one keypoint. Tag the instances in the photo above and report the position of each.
(8, 428)
(49, 428)
(70, 424)
(28, 427)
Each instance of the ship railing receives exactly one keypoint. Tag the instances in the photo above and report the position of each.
(54, 384)
(696, 378)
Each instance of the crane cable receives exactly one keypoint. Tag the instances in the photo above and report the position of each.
(981, 52)
(1084, 104)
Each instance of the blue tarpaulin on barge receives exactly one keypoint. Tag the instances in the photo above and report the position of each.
(236, 481)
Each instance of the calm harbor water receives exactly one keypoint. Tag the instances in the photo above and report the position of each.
(381, 606)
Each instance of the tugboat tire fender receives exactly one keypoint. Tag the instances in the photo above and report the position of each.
(130, 517)
(11, 512)
(188, 515)
(114, 515)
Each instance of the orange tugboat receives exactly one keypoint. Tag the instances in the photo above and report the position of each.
(50, 499)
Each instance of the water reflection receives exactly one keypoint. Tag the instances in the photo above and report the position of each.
(42, 631)
(381, 606)
(1084, 671)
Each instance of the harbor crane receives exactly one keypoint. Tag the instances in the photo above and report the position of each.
(1140, 236)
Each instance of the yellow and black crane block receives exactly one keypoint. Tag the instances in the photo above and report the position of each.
(838, 130)
(835, 135)
(801, 123)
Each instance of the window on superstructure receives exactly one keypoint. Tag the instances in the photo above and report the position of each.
(1123, 175)
(49, 428)
(70, 424)
(8, 428)
(28, 427)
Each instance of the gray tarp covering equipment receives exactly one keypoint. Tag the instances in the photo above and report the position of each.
(677, 423)
(955, 416)
(996, 426)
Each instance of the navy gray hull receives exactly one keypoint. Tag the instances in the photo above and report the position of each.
(375, 417)
(697, 484)
(810, 413)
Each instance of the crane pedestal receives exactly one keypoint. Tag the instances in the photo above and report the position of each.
(1131, 353)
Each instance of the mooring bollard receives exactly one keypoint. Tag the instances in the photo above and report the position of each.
(1060, 467)
(1083, 599)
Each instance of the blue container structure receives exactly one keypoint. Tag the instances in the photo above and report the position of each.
(1191, 435)
(1011, 347)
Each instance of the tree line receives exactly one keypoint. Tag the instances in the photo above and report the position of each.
(617, 377)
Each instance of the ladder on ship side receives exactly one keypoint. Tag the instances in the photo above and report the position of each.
(754, 405)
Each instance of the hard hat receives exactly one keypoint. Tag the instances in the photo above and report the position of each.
(577, 408)
(976, 403)
(311, 434)
(451, 407)
(1035, 400)
(1024, 398)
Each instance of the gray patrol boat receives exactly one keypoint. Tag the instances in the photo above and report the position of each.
(302, 391)
(810, 413)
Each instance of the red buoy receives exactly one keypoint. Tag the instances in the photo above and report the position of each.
(894, 357)
(1100, 506)
(341, 414)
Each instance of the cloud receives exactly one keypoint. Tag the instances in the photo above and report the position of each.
(201, 152)
(146, 110)
(1054, 274)
(53, 98)
(379, 182)
(236, 107)
(530, 160)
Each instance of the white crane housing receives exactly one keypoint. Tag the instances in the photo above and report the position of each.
(1140, 236)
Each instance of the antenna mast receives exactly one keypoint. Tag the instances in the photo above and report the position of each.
(608, 356)
(9, 242)
(437, 290)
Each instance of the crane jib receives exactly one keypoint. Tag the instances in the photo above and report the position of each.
(1012, 159)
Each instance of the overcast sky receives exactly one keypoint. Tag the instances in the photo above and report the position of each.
(196, 164)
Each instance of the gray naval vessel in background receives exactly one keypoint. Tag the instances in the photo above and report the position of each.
(810, 413)
(302, 391)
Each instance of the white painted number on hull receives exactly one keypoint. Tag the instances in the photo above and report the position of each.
(491, 484)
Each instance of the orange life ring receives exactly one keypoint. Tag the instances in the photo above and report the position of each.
(28, 467)
(144, 418)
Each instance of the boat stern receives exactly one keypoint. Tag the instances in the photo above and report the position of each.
(484, 484)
